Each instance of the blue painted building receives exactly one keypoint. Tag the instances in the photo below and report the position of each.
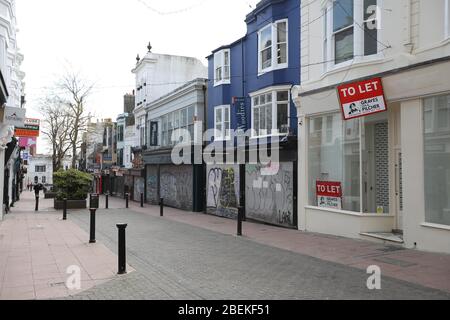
(250, 81)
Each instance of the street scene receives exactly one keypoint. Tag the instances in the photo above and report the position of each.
(264, 151)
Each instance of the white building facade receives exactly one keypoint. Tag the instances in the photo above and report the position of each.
(12, 95)
(157, 75)
(40, 170)
(393, 167)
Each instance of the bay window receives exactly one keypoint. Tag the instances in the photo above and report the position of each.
(437, 159)
(222, 123)
(273, 46)
(179, 119)
(270, 113)
(350, 30)
(222, 67)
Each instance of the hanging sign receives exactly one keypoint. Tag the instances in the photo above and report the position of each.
(241, 113)
(13, 116)
(329, 194)
(362, 98)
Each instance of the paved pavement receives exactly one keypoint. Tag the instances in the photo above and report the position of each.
(36, 250)
(194, 256)
(175, 260)
(423, 268)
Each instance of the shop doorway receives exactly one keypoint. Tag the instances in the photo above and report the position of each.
(375, 160)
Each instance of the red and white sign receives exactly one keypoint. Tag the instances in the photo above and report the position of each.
(361, 99)
(329, 194)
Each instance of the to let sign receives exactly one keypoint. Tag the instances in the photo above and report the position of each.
(329, 194)
(362, 98)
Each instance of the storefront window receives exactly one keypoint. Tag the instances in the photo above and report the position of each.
(437, 159)
(354, 155)
(335, 159)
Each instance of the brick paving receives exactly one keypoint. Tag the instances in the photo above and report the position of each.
(37, 248)
(175, 260)
(423, 268)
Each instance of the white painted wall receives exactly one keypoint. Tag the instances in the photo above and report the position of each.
(415, 30)
(10, 62)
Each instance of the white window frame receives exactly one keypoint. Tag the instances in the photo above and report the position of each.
(273, 91)
(225, 133)
(447, 19)
(221, 64)
(358, 36)
(274, 65)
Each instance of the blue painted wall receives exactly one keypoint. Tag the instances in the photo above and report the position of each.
(244, 61)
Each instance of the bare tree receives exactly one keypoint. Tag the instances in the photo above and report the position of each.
(56, 128)
(75, 91)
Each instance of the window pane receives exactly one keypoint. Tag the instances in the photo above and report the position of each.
(266, 58)
(282, 53)
(338, 161)
(262, 121)
(226, 58)
(227, 114)
(256, 101)
(262, 99)
(281, 32)
(256, 120)
(344, 46)
(183, 122)
(342, 14)
(269, 119)
(266, 38)
(218, 74)
(282, 118)
(282, 96)
(370, 39)
(219, 115)
(227, 72)
(269, 97)
(437, 163)
(191, 114)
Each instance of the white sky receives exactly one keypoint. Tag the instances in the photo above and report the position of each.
(101, 38)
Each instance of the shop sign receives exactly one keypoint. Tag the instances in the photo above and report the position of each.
(241, 113)
(362, 98)
(30, 129)
(14, 116)
(329, 194)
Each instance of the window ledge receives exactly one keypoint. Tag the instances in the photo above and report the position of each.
(435, 226)
(356, 62)
(278, 67)
(219, 83)
(269, 136)
(351, 213)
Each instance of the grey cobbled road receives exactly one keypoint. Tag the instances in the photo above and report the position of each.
(175, 261)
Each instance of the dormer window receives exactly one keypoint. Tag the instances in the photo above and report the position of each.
(273, 47)
(222, 67)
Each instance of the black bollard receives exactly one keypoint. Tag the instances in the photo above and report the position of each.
(161, 207)
(65, 209)
(107, 201)
(127, 199)
(92, 233)
(142, 200)
(90, 200)
(37, 204)
(122, 249)
(239, 220)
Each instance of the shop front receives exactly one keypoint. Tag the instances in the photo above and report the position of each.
(377, 166)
